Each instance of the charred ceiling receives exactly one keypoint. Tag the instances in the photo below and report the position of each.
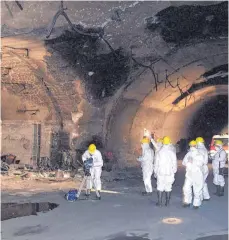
(103, 73)
(183, 24)
(216, 76)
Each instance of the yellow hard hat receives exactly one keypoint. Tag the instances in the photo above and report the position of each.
(192, 143)
(160, 140)
(166, 140)
(92, 148)
(218, 142)
(199, 140)
(145, 140)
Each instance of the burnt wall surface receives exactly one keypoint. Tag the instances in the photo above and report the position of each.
(185, 23)
(216, 76)
(103, 74)
(104, 61)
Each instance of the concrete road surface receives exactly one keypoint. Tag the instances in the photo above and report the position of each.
(122, 214)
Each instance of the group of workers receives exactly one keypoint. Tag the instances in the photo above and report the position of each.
(163, 164)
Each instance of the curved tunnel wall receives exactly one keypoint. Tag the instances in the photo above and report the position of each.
(116, 101)
(141, 106)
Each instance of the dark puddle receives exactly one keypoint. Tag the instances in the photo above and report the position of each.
(14, 210)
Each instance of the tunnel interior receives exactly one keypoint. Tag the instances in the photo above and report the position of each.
(211, 119)
(148, 69)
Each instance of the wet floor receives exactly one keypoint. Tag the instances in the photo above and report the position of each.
(14, 210)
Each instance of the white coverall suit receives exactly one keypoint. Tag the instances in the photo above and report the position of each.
(193, 161)
(157, 145)
(165, 168)
(219, 161)
(202, 149)
(96, 169)
(146, 160)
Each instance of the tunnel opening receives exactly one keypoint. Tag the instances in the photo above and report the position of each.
(211, 119)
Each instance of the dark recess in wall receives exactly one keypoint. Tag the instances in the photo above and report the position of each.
(184, 23)
(109, 71)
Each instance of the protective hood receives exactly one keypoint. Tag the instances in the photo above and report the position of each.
(218, 148)
(193, 149)
(200, 145)
(145, 146)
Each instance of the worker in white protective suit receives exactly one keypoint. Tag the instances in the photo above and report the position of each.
(165, 168)
(173, 148)
(157, 144)
(202, 149)
(146, 160)
(193, 161)
(96, 170)
(218, 165)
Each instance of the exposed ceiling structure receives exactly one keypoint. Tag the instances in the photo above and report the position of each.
(114, 68)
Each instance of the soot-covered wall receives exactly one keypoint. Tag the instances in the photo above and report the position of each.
(102, 73)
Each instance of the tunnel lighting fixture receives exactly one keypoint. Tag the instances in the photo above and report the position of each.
(173, 221)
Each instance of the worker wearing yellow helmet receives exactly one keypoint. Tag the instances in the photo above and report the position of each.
(202, 149)
(164, 169)
(146, 160)
(157, 144)
(167, 141)
(193, 161)
(218, 165)
(95, 170)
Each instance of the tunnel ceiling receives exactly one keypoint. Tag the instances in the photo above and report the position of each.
(187, 23)
(110, 62)
(216, 76)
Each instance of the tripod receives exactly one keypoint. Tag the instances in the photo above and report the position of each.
(86, 178)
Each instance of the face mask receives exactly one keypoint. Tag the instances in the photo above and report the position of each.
(192, 148)
(217, 148)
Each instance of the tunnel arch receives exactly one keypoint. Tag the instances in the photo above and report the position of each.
(138, 101)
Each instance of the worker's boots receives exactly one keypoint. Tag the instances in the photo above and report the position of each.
(221, 191)
(167, 197)
(159, 197)
(87, 195)
(185, 205)
(98, 197)
(217, 193)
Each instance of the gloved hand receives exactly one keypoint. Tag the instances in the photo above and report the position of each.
(147, 133)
